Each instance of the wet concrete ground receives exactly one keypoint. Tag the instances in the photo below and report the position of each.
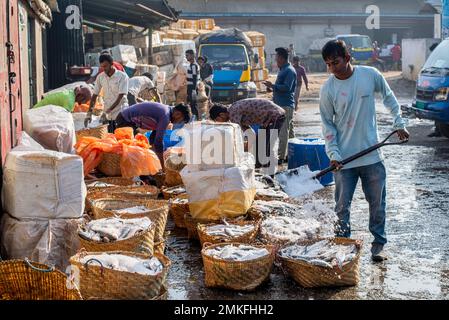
(417, 227)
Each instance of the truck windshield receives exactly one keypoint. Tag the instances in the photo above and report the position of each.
(357, 41)
(439, 59)
(225, 55)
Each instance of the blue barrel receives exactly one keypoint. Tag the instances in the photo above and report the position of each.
(169, 141)
(313, 155)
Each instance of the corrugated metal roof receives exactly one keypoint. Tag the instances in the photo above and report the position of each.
(142, 13)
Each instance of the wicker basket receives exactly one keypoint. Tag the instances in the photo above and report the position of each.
(178, 211)
(25, 280)
(123, 193)
(192, 226)
(237, 275)
(100, 132)
(172, 178)
(312, 276)
(169, 193)
(114, 181)
(110, 165)
(157, 212)
(99, 283)
(140, 243)
(163, 295)
(248, 237)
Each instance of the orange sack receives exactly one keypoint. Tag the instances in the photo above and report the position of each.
(136, 157)
(124, 133)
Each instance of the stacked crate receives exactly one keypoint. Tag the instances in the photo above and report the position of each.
(259, 71)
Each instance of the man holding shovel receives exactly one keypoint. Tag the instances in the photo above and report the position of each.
(348, 113)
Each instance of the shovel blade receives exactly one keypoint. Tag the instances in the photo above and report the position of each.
(298, 182)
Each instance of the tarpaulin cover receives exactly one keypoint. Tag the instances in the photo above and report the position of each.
(231, 35)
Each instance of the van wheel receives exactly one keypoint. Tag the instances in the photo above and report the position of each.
(444, 129)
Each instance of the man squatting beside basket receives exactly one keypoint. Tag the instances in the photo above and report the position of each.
(348, 113)
(260, 112)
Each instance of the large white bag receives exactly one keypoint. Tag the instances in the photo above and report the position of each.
(211, 145)
(50, 242)
(52, 127)
(43, 184)
(220, 193)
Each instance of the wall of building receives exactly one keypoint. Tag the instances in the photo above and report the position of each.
(414, 55)
(38, 66)
(299, 22)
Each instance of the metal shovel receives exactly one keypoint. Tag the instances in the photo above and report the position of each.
(299, 175)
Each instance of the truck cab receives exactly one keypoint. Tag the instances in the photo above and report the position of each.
(361, 48)
(231, 59)
(432, 90)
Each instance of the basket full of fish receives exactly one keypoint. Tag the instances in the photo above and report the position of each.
(323, 263)
(237, 266)
(179, 207)
(120, 275)
(241, 231)
(155, 210)
(173, 192)
(115, 234)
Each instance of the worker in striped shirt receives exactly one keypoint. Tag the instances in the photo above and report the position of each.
(193, 77)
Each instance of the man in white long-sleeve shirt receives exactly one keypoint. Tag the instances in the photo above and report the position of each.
(348, 113)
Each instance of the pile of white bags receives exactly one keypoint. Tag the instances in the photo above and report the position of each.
(219, 176)
(52, 127)
(43, 197)
(211, 145)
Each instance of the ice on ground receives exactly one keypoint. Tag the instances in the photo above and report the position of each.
(299, 182)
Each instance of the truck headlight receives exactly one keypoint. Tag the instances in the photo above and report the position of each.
(442, 94)
(247, 86)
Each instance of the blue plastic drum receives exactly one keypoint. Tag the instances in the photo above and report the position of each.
(169, 139)
(311, 152)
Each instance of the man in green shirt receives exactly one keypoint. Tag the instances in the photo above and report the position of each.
(66, 98)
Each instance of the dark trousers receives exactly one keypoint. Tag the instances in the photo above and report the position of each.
(131, 99)
(269, 145)
(112, 125)
(190, 100)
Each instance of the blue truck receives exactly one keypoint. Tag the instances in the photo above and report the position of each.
(230, 53)
(432, 91)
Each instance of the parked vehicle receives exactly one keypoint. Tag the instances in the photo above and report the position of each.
(432, 91)
(230, 53)
(361, 48)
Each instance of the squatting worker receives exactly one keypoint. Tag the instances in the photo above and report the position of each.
(193, 77)
(137, 85)
(156, 117)
(348, 113)
(114, 84)
(284, 96)
(66, 98)
(250, 112)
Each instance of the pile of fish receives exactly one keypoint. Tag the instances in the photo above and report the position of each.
(179, 201)
(228, 230)
(119, 262)
(289, 229)
(272, 194)
(266, 187)
(113, 229)
(276, 208)
(175, 190)
(99, 184)
(132, 210)
(324, 253)
(237, 253)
